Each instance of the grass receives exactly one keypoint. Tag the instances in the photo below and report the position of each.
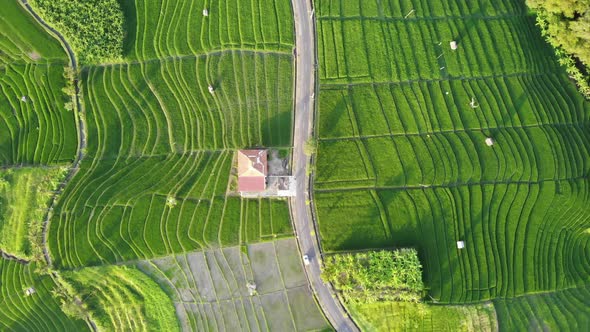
(24, 196)
(398, 316)
(210, 291)
(121, 298)
(37, 312)
(402, 159)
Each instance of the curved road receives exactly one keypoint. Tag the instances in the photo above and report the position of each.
(80, 127)
(301, 212)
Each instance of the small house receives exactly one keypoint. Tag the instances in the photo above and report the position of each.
(252, 170)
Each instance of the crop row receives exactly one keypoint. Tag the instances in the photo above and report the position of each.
(35, 128)
(159, 29)
(439, 106)
(161, 107)
(373, 50)
(35, 312)
(412, 9)
(519, 238)
(148, 207)
(567, 310)
(210, 290)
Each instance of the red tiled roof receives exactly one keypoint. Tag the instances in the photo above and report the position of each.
(252, 170)
(251, 183)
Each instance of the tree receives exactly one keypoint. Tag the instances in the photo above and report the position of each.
(566, 25)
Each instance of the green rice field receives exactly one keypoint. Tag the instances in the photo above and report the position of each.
(120, 298)
(35, 128)
(156, 132)
(400, 316)
(403, 159)
(564, 310)
(39, 311)
(181, 29)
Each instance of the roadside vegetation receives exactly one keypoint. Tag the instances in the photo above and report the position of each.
(94, 28)
(376, 276)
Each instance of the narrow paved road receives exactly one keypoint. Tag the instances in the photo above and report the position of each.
(301, 212)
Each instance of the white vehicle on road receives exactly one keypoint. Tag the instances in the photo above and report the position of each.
(305, 260)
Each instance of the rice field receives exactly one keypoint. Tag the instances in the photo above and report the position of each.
(210, 288)
(35, 129)
(180, 27)
(403, 159)
(120, 298)
(163, 127)
(400, 316)
(36, 312)
(565, 310)
(23, 40)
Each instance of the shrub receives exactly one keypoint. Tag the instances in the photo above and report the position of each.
(376, 276)
(565, 25)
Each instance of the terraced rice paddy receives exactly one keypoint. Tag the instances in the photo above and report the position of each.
(35, 127)
(156, 133)
(210, 292)
(180, 28)
(36, 312)
(402, 158)
(123, 299)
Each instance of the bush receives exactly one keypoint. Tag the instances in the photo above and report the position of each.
(94, 28)
(376, 276)
(565, 25)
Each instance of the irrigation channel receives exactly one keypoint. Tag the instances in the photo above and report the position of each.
(301, 211)
(81, 128)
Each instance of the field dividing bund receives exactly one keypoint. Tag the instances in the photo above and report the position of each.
(209, 288)
(37, 312)
(403, 161)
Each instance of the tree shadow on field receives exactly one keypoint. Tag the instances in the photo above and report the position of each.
(330, 118)
(276, 130)
(470, 24)
(129, 25)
